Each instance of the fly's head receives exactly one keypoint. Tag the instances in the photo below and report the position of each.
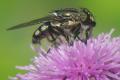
(87, 18)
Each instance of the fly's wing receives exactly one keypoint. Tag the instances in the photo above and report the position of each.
(30, 23)
(48, 18)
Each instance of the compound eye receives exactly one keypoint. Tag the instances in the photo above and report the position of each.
(93, 23)
(83, 16)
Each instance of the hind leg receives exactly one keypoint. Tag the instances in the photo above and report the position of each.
(63, 35)
(54, 36)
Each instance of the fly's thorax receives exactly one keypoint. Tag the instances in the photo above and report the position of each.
(70, 24)
(55, 23)
(72, 20)
(65, 23)
(86, 17)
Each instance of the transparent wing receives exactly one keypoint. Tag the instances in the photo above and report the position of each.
(30, 23)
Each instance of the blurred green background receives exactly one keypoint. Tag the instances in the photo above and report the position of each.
(15, 45)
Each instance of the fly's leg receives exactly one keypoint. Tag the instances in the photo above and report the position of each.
(63, 35)
(52, 34)
(79, 34)
(82, 36)
(52, 38)
(89, 32)
(76, 33)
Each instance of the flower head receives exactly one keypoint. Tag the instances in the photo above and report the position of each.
(98, 60)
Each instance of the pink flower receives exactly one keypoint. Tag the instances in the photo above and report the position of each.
(98, 60)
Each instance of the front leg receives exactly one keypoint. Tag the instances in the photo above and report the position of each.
(89, 33)
(79, 34)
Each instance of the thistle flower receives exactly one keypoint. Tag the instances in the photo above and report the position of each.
(98, 60)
